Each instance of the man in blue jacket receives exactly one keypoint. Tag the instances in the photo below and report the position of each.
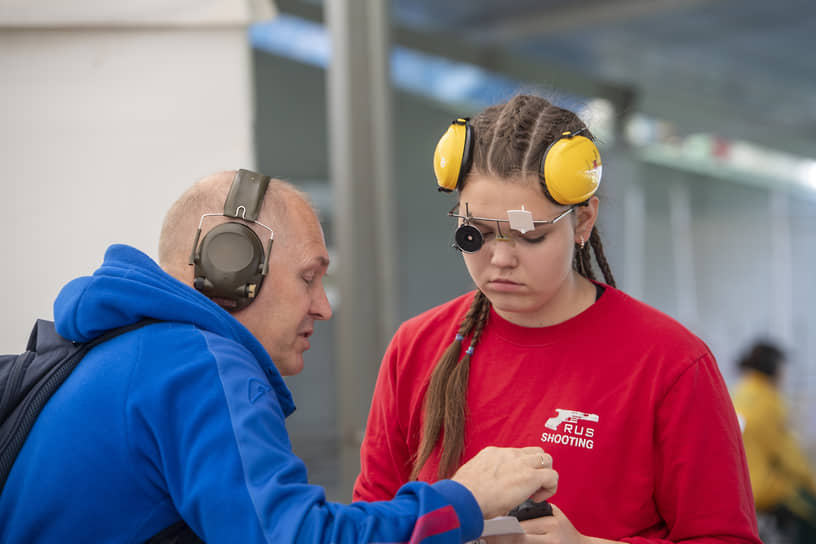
(183, 420)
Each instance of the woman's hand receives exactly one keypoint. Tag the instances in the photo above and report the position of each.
(555, 529)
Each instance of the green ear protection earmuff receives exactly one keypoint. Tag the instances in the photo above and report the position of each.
(230, 263)
(570, 168)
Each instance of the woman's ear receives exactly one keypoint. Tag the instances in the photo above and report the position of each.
(585, 220)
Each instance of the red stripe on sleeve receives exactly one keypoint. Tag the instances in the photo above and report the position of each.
(433, 523)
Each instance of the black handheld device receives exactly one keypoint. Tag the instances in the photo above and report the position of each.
(531, 510)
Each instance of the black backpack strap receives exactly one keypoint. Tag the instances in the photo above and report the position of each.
(23, 405)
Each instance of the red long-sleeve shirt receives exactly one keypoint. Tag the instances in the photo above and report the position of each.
(631, 406)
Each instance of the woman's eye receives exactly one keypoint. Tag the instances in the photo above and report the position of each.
(534, 239)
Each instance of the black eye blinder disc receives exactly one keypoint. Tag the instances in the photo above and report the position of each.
(468, 239)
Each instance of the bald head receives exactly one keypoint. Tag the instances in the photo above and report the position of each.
(208, 196)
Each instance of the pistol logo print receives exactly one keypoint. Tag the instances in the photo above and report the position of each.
(569, 416)
(571, 428)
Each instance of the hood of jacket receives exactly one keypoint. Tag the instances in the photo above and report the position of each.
(128, 287)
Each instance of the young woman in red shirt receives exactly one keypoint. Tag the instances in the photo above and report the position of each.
(631, 405)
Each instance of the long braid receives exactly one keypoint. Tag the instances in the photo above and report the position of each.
(582, 262)
(600, 257)
(456, 399)
(446, 391)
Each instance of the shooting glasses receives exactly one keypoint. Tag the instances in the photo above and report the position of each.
(469, 239)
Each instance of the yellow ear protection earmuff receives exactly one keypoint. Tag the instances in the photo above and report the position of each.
(453, 155)
(230, 263)
(570, 168)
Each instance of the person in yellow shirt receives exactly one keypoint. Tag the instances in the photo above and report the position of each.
(781, 477)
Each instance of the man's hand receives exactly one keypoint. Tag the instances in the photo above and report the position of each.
(501, 478)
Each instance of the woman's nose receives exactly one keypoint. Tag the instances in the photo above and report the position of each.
(503, 252)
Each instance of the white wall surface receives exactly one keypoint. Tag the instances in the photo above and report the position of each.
(109, 113)
(78, 13)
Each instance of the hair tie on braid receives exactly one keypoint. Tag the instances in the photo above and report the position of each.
(469, 350)
(459, 338)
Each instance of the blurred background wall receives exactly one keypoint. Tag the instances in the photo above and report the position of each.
(705, 110)
(110, 110)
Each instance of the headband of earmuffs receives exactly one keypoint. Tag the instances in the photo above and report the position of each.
(570, 168)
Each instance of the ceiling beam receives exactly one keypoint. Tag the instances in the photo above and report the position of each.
(572, 17)
(492, 58)
(690, 112)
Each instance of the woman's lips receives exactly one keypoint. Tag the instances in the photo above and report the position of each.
(503, 285)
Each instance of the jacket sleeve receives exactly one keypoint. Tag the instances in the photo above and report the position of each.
(777, 463)
(791, 465)
(213, 432)
(385, 462)
(702, 487)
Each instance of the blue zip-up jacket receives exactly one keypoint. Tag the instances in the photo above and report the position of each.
(184, 419)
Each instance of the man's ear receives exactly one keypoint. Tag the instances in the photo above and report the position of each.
(585, 219)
